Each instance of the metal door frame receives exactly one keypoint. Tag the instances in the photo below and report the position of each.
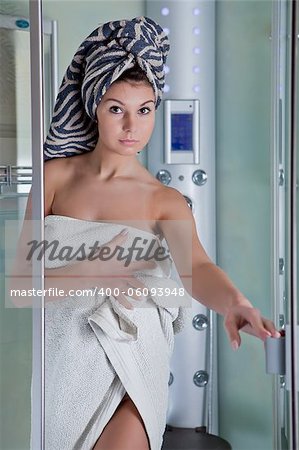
(284, 26)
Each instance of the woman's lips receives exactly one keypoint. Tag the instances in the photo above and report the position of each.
(128, 141)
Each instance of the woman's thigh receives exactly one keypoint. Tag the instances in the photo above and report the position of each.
(125, 430)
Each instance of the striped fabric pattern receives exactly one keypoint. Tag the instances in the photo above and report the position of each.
(101, 58)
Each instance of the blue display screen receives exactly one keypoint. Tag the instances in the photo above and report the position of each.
(181, 132)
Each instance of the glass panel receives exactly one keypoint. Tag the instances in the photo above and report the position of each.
(16, 349)
(15, 324)
(243, 109)
(243, 112)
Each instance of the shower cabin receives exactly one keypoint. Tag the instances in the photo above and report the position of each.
(29, 54)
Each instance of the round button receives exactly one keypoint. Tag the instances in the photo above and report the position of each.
(189, 201)
(164, 176)
(200, 322)
(199, 177)
(201, 378)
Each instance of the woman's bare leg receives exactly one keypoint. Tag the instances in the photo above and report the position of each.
(125, 430)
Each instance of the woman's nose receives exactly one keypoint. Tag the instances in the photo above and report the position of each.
(129, 123)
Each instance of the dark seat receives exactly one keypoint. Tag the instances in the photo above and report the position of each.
(192, 439)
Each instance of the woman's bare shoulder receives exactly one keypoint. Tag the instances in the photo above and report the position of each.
(52, 165)
(169, 194)
(170, 203)
(56, 170)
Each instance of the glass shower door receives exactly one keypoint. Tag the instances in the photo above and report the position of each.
(19, 349)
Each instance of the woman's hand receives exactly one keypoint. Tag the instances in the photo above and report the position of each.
(247, 318)
(113, 274)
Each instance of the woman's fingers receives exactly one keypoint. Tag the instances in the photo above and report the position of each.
(136, 289)
(122, 288)
(116, 240)
(132, 266)
(249, 320)
(231, 329)
(136, 266)
(136, 283)
(254, 319)
(129, 293)
(269, 325)
(122, 299)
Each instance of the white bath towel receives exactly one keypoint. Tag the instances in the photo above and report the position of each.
(96, 350)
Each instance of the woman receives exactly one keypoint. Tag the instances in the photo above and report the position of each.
(104, 116)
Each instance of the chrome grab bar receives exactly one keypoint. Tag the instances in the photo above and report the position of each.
(14, 175)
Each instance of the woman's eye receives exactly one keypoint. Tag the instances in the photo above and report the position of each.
(145, 110)
(115, 109)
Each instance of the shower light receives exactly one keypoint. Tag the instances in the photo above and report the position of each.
(196, 50)
(165, 11)
(166, 69)
(166, 31)
(196, 69)
(196, 31)
(196, 11)
(196, 88)
(166, 88)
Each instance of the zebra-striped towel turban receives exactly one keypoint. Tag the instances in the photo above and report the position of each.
(104, 55)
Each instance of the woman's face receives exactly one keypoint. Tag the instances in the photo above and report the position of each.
(126, 117)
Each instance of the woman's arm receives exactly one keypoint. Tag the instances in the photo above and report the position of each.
(210, 285)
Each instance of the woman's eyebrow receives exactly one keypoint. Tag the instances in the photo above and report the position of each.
(115, 100)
